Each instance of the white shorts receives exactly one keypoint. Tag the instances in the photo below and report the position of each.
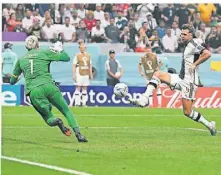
(188, 90)
(82, 80)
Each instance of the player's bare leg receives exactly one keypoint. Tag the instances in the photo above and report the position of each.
(77, 94)
(196, 116)
(153, 84)
(84, 96)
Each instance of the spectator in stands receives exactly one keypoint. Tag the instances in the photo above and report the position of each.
(130, 12)
(82, 32)
(36, 15)
(47, 15)
(157, 14)
(9, 59)
(112, 31)
(182, 15)
(49, 30)
(89, 21)
(142, 41)
(67, 11)
(206, 11)
(98, 13)
(169, 42)
(204, 30)
(36, 30)
(31, 7)
(82, 12)
(193, 9)
(106, 20)
(123, 8)
(161, 30)
(58, 17)
(120, 21)
(145, 29)
(20, 12)
(107, 7)
(98, 33)
(11, 23)
(7, 11)
(197, 21)
(133, 34)
(18, 28)
(75, 19)
(137, 21)
(214, 20)
(151, 22)
(214, 40)
(27, 21)
(125, 38)
(91, 7)
(155, 42)
(68, 31)
(169, 14)
(112, 66)
(143, 9)
(113, 13)
(175, 30)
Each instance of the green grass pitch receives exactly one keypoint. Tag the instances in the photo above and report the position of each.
(122, 141)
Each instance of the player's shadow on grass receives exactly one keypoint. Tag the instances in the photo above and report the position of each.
(39, 143)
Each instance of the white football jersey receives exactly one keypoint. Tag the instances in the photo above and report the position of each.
(191, 54)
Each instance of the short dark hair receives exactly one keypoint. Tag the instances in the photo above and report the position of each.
(188, 27)
(144, 23)
(67, 18)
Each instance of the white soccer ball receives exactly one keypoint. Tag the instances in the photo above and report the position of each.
(120, 90)
(117, 74)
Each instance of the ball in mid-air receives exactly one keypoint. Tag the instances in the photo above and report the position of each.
(120, 90)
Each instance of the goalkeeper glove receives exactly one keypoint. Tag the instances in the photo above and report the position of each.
(57, 47)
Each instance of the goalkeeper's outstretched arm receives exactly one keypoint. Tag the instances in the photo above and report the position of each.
(16, 73)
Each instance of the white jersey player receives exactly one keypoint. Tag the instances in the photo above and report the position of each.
(187, 81)
(82, 71)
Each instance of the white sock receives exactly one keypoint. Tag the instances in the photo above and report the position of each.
(159, 97)
(77, 98)
(154, 82)
(196, 116)
(84, 97)
(151, 100)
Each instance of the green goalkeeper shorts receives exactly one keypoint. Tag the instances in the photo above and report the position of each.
(43, 96)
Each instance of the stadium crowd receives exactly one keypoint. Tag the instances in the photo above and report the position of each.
(135, 25)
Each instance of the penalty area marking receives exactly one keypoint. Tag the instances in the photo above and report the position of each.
(51, 167)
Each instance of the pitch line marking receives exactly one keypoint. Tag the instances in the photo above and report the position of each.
(108, 127)
(108, 115)
(197, 129)
(51, 167)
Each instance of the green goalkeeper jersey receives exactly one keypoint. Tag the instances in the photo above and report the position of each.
(35, 65)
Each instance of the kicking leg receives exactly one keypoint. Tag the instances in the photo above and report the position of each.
(196, 116)
(153, 84)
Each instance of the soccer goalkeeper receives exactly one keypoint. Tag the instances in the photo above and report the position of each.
(40, 87)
